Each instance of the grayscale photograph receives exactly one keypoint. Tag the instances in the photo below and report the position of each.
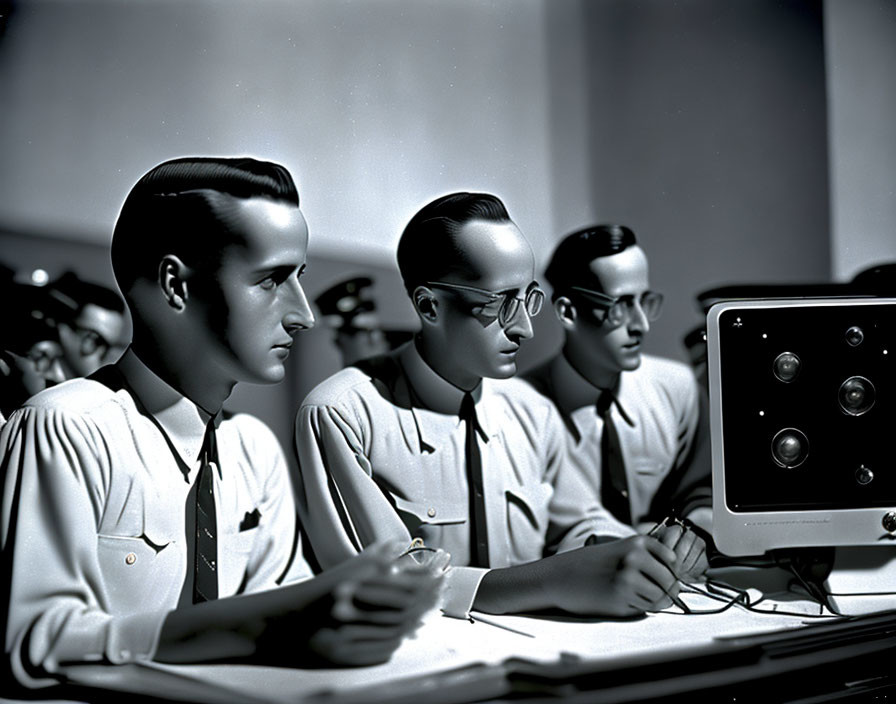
(447, 351)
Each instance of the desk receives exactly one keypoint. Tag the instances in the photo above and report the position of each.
(450, 661)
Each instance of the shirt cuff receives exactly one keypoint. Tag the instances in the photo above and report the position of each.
(135, 638)
(461, 585)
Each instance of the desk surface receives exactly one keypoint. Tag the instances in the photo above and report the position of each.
(450, 660)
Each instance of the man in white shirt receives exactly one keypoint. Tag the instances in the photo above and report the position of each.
(436, 443)
(132, 504)
(600, 379)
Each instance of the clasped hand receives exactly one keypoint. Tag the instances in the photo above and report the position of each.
(372, 602)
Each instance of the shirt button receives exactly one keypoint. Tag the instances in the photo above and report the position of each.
(131, 558)
(431, 513)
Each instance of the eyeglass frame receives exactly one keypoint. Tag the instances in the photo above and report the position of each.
(608, 303)
(90, 341)
(492, 296)
(43, 360)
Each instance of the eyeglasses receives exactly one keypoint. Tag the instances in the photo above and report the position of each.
(44, 355)
(90, 341)
(619, 309)
(503, 306)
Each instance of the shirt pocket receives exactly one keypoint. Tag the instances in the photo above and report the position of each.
(235, 552)
(527, 519)
(140, 574)
(426, 520)
(647, 475)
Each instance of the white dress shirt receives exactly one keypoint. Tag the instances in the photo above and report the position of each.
(94, 527)
(382, 455)
(660, 397)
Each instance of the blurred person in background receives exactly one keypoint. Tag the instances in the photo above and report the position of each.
(91, 323)
(31, 357)
(351, 314)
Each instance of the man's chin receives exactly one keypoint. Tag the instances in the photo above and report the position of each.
(505, 370)
(631, 362)
(272, 375)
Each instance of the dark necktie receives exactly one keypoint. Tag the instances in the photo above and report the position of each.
(613, 482)
(205, 578)
(478, 532)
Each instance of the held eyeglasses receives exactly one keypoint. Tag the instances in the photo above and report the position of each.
(503, 305)
(618, 310)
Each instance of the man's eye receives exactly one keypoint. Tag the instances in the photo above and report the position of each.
(268, 284)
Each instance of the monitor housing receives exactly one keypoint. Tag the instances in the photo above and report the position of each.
(803, 423)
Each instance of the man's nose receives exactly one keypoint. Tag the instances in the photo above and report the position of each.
(520, 325)
(637, 318)
(55, 374)
(299, 315)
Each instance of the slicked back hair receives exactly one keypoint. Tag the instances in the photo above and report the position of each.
(569, 265)
(184, 207)
(428, 249)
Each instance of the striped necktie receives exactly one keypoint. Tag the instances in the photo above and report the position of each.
(205, 578)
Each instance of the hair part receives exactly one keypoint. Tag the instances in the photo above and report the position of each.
(571, 260)
(184, 207)
(428, 249)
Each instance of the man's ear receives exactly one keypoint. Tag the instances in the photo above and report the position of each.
(173, 275)
(426, 304)
(565, 311)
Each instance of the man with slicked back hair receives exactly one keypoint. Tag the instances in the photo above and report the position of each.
(635, 430)
(165, 529)
(438, 446)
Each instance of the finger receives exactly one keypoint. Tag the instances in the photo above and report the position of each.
(341, 648)
(656, 571)
(365, 653)
(671, 536)
(690, 559)
(359, 633)
(372, 597)
(407, 583)
(661, 552)
(683, 550)
(651, 598)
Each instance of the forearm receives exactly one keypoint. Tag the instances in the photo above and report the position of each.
(231, 628)
(518, 589)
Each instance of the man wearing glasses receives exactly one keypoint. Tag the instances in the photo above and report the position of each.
(631, 419)
(91, 325)
(437, 445)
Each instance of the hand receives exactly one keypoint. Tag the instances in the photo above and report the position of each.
(690, 551)
(373, 602)
(621, 578)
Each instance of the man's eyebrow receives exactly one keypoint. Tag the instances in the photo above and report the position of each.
(275, 269)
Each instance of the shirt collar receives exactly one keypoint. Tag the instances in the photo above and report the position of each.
(573, 391)
(179, 418)
(435, 393)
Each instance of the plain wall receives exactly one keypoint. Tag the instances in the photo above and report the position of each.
(701, 124)
(375, 107)
(861, 58)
